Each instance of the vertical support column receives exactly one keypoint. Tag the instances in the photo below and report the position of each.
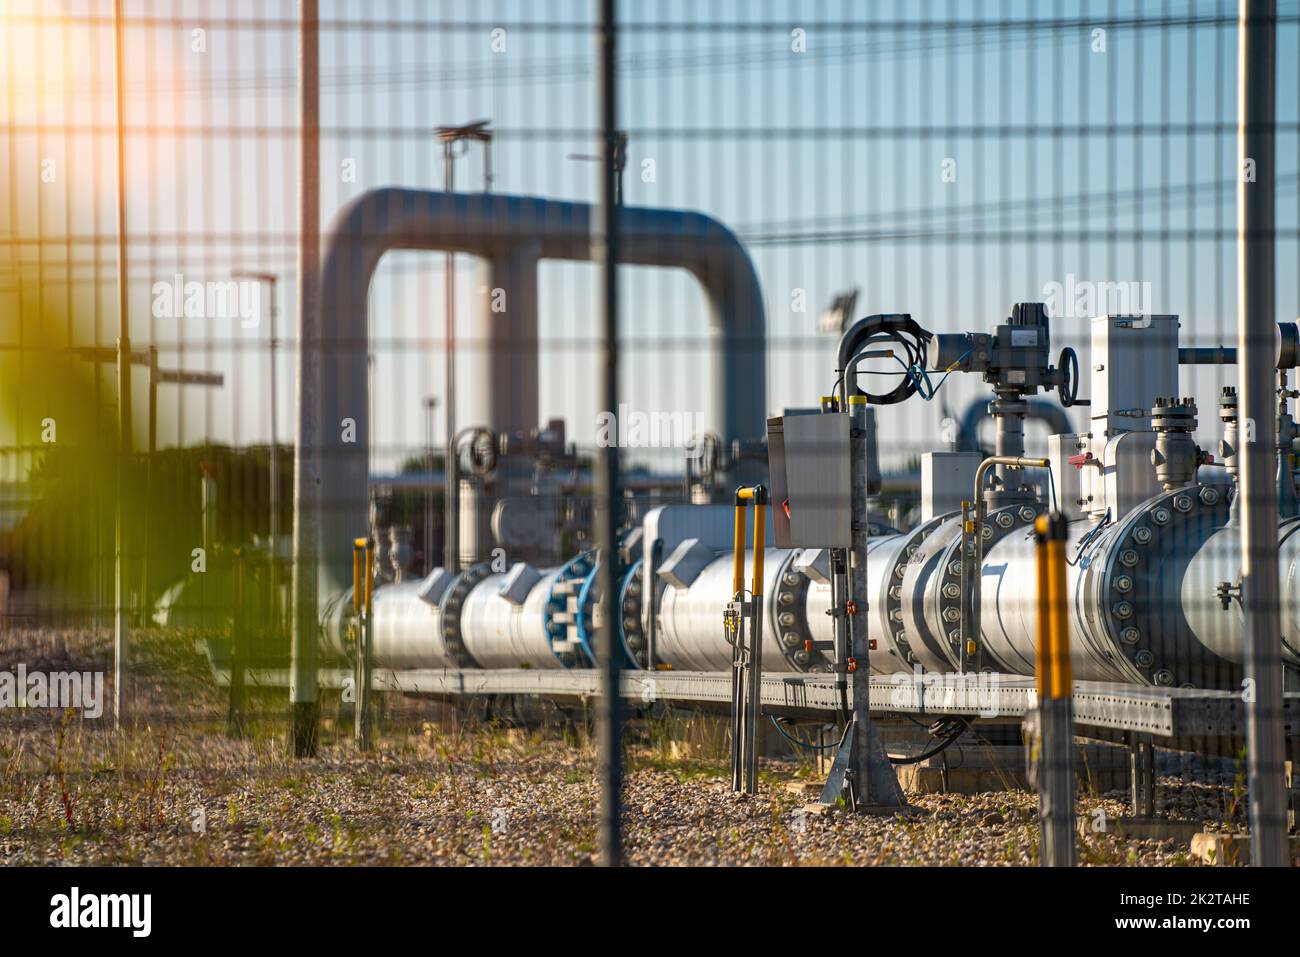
(505, 344)
(304, 706)
(608, 494)
(874, 783)
(1008, 410)
(1134, 775)
(1055, 717)
(238, 650)
(1148, 780)
(1256, 330)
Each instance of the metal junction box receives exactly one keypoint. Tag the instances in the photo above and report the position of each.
(947, 480)
(1134, 361)
(808, 462)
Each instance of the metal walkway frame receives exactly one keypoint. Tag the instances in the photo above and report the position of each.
(1180, 718)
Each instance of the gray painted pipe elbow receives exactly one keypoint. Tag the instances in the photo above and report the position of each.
(512, 233)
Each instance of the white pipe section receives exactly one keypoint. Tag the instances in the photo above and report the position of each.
(1219, 560)
(500, 634)
(407, 630)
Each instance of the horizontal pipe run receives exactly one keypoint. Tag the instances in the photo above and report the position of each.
(1287, 351)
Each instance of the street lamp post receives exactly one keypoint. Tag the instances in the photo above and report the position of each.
(619, 162)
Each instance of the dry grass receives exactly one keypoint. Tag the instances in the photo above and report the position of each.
(443, 788)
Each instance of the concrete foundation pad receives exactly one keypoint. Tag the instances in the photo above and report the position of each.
(975, 769)
(1229, 850)
(807, 789)
(1143, 829)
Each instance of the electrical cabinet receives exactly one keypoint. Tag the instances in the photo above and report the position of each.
(810, 476)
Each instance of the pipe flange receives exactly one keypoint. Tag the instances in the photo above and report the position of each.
(893, 588)
(1140, 590)
(631, 631)
(453, 605)
(563, 609)
(999, 523)
(789, 616)
(788, 612)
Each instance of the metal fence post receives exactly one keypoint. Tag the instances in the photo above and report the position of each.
(307, 507)
(120, 636)
(609, 500)
(1256, 324)
(238, 650)
(1055, 702)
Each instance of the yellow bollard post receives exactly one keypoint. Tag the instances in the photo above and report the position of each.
(1054, 720)
(734, 623)
(754, 684)
(363, 577)
(746, 642)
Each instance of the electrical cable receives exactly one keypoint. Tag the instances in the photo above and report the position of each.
(804, 744)
(958, 726)
(898, 330)
(1088, 538)
(922, 378)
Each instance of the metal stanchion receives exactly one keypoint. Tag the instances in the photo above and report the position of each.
(121, 638)
(1256, 325)
(1054, 738)
(238, 651)
(608, 483)
(747, 644)
(363, 578)
(303, 679)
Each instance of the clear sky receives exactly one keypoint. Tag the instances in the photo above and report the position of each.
(1112, 164)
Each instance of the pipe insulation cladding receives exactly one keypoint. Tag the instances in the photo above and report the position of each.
(512, 233)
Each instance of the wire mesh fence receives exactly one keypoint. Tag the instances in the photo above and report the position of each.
(783, 169)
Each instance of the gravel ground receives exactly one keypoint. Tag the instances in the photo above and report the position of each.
(441, 791)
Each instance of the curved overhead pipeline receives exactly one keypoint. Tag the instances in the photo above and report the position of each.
(512, 233)
(1050, 414)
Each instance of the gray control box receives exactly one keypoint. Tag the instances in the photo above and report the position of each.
(947, 480)
(808, 461)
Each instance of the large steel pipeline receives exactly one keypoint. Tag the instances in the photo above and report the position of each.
(1153, 600)
(797, 611)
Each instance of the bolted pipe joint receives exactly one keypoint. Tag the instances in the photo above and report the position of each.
(1230, 443)
(1175, 455)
